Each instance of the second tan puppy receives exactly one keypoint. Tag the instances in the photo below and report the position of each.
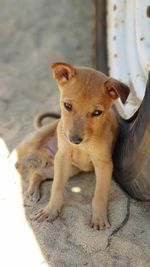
(86, 134)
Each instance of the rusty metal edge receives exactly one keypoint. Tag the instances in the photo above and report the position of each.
(100, 33)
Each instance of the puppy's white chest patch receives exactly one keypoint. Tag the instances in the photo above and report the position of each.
(82, 160)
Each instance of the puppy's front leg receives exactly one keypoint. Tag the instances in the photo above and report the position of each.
(103, 172)
(62, 166)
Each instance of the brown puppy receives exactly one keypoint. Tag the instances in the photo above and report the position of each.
(86, 135)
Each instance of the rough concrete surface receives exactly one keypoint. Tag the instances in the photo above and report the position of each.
(34, 34)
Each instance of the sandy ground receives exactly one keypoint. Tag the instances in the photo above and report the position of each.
(32, 35)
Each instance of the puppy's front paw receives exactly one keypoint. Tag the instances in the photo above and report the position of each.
(47, 213)
(100, 222)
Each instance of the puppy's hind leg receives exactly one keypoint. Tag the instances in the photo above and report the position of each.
(35, 180)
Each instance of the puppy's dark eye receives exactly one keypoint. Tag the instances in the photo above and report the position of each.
(96, 113)
(68, 106)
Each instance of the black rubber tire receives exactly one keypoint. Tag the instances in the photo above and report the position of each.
(132, 152)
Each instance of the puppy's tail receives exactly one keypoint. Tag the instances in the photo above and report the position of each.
(41, 116)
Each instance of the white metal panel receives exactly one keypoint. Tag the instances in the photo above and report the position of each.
(128, 35)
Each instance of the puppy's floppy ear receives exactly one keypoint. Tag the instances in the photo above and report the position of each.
(63, 72)
(117, 89)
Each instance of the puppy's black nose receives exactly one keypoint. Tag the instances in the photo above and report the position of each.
(75, 139)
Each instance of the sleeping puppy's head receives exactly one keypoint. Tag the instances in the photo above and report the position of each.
(86, 96)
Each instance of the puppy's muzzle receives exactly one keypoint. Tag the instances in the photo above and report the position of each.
(75, 139)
